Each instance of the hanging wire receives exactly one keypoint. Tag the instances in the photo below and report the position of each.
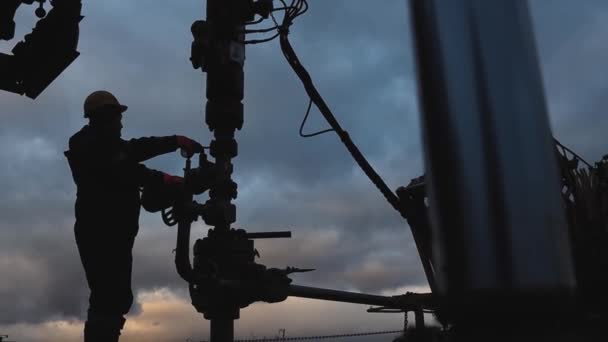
(296, 9)
(270, 29)
(304, 135)
(292, 11)
(259, 41)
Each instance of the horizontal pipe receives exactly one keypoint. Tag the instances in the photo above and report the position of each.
(268, 235)
(408, 302)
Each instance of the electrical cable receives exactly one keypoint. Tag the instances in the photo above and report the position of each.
(259, 41)
(278, 9)
(254, 22)
(303, 135)
(295, 9)
(301, 6)
(261, 30)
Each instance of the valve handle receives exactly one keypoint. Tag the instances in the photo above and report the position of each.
(40, 11)
(290, 270)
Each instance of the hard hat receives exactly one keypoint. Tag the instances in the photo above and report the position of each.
(99, 99)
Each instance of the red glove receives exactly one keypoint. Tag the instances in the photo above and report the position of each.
(172, 180)
(190, 146)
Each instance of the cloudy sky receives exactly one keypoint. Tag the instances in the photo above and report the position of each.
(361, 60)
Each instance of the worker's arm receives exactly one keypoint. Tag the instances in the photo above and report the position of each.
(124, 170)
(110, 163)
(146, 148)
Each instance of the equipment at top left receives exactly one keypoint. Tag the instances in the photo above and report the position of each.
(43, 54)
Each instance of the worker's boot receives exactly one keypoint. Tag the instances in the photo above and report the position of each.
(103, 328)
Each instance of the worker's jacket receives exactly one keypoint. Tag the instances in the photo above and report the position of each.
(108, 175)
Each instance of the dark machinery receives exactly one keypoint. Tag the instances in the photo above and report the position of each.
(499, 244)
(55, 37)
(502, 254)
(224, 276)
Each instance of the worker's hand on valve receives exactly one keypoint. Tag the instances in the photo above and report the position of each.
(172, 180)
(189, 146)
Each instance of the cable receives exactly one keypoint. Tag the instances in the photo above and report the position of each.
(254, 22)
(303, 135)
(261, 30)
(300, 7)
(295, 9)
(258, 41)
(281, 9)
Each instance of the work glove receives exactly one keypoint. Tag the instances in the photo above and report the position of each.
(188, 145)
(172, 180)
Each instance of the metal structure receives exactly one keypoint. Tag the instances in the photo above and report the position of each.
(500, 232)
(224, 276)
(498, 222)
(55, 37)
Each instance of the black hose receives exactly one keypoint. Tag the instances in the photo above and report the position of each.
(314, 95)
(391, 197)
(182, 251)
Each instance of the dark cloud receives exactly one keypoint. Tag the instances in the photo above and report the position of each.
(571, 38)
(361, 60)
(42, 280)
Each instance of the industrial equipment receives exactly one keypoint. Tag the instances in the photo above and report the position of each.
(511, 231)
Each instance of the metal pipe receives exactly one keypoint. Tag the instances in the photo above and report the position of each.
(221, 330)
(419, 317)
(182, 251)
(224, 115)
(269, 235)
(182, 248)
(407, 302)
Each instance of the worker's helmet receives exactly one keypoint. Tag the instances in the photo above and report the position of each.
(100, 99)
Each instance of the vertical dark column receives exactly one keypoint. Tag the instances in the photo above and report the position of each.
(222, 330)
(224, 109)
(224, 115)
(497, 216)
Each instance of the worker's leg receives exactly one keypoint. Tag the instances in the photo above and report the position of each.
(107, 263)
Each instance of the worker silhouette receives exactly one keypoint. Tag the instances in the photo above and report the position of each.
(108, 174)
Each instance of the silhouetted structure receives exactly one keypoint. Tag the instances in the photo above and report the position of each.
(496, 257)
(55, 37)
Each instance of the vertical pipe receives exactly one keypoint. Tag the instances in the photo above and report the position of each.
(224, 115)
(224, 108)
(222, 330)
(499, 229)
(419, 316)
